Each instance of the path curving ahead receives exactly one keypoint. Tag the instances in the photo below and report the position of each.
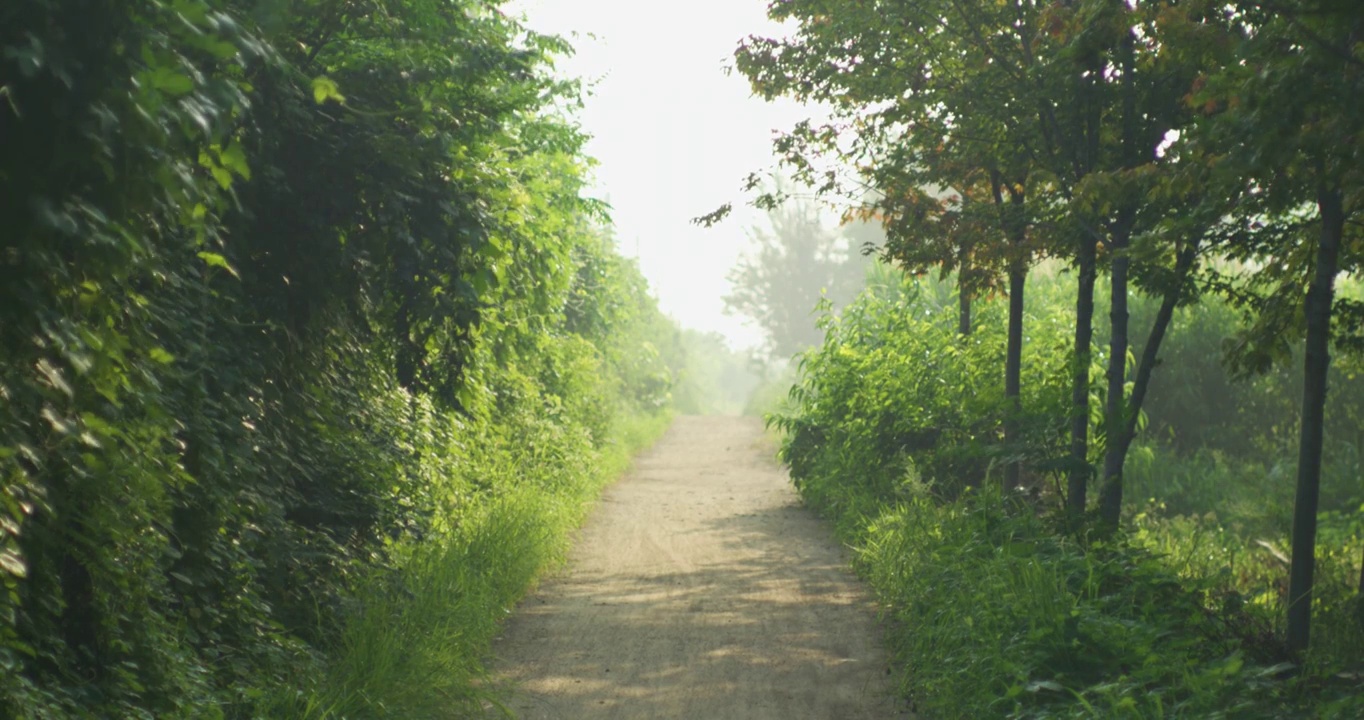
(700, 589)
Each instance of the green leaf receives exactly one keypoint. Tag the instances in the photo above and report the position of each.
(234, 158)
(220, 49)
(223, 177)
(216, 260)
(324, 89)
(172, 82)
(13, 563)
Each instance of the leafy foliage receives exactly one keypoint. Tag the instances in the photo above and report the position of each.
(897, 392)
(295, 300)
(894, 423)
(1183, 147)
(717, 380)
(1000, 617)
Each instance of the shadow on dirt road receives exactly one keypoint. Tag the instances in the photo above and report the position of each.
(699, 588)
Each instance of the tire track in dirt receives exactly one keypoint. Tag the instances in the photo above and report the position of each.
(700, 588)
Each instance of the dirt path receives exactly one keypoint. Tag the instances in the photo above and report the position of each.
(699, 589)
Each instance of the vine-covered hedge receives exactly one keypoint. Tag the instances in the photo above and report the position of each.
(303, 318)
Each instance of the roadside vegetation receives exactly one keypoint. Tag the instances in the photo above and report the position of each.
(999, 608)
(1081, 435)
(311, 353)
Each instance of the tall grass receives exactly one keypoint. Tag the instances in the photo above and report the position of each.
(997, 616)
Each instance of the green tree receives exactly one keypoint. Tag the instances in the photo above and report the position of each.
(945, 155)
(998, 132)
(797, 263)
(1280, 119)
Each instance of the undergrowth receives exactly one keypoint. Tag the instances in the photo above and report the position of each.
(996, 615)
(998, 608)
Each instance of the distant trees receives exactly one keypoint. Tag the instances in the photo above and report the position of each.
(715, 379)
(796, 263)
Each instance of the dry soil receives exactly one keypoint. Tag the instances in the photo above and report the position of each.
(700, 588)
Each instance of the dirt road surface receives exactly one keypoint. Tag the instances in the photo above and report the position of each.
(699, 589)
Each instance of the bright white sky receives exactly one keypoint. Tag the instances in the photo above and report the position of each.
(675, 136)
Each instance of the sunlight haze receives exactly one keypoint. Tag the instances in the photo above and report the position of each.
(674, 134)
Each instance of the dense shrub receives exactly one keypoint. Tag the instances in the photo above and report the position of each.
(304, 325)
(1198, 405)
(895, 390)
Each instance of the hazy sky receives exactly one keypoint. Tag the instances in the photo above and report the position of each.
(674, 135)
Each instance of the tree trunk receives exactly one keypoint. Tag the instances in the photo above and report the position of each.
(963, 295)
(1014, 224)
(1318, 360)
(1120, 234)
(1110, 494)
(1078, 481)
(1150, 354)
(1013, 370)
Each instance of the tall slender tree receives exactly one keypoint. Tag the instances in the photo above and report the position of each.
(1281, 116)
